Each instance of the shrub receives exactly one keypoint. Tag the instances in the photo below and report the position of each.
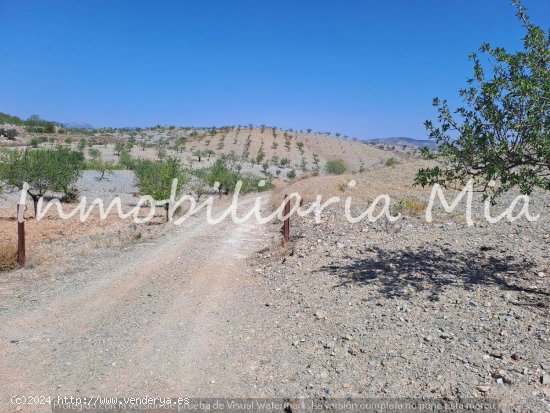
(34, 142)
(155, 178)
(198, 154)
(336, 167)
(390, 162)
(125, 160)
(222, 174)
(291, 174)
(119, 147)
(46, 128)
(81, 145)
(253, 185)
(10, 134)
(412, 207)
(260, 156)
(161, 152)
(94, 153)
(8, 256)
(227, 178)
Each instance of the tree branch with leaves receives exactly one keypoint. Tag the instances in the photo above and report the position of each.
(500, 138)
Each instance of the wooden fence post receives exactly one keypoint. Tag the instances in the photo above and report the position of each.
(21, 234)
(286, 222)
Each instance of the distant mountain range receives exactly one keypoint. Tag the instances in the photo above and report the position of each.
(78, 125)
(402, 140)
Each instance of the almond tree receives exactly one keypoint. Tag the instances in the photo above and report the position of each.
(54, 170)
(155, 178)
(502, 133)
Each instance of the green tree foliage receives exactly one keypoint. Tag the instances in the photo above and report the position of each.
(9, 119)
(155, 178)
(97, 164)
(391, 162)
(222, 174)
(131, 143)
(260, 156)
(227, 177)
(119, 147)
(94, 153)
(161, 153)
(33, 124)
(54, 169)
(101, 166)
(125, 160)
(180, 143)
(35, 141)
(502, 133)
(336, 167)
(81, 145)
(198, 154)
(66, 167)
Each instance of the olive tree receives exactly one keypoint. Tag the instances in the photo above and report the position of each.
(500, 138)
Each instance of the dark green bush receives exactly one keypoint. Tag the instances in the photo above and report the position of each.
(336, 167)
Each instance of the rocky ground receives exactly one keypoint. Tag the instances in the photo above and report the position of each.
(415, 309)
(412, 309)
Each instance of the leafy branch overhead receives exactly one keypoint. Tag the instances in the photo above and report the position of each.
(500, 137)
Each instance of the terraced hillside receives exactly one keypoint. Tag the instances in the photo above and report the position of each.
(255, 146)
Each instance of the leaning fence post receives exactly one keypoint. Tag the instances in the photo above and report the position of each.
(286, 222)
(21, 234)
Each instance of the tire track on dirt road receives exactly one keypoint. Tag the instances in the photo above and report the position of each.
(154, 323)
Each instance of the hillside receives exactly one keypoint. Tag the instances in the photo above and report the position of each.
(405, 142)
(255, 146)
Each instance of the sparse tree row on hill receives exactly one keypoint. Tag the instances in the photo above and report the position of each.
(167, 141)
(502, 134)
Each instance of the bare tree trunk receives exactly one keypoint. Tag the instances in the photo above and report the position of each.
(35, 199)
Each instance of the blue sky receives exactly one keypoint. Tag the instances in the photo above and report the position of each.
(362, 68)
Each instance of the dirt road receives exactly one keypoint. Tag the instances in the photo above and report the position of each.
(169, 318)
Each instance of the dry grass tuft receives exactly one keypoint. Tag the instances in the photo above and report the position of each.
(8, 256)
(411, 207)
(342, 186)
